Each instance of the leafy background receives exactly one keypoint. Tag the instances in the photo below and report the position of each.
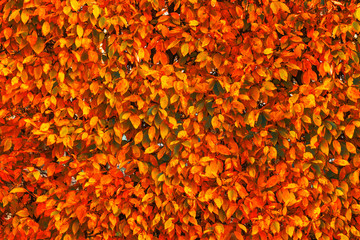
(179, 119)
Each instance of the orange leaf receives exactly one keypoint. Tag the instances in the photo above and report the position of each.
(7, 144)
(349, 130)
(350, 147)
(7, 33)
(273, 180)
(81, 213)
(324, 147)
(135, 121)
(138, 137)
(217, 60)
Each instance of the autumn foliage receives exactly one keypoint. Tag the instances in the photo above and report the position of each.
(179, 119)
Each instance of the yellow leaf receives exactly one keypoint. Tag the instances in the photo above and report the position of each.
(326, 67)
(201, 57)
(42, 198)
(151, 149)
(164, 101)
(341, 162)
(169, 223)
(7, 144)
(353, 93)
(79, 30)
(343, 237)
(147, 197)
(349, 130)
(24, 16)
(51, 139)
(357, 14)
(141, 53)
(75, 5)
(268, 51)
(193, 23)
(164, 130)
(284, 7)
(23, 213)
(309, 101)
(45, 28)
(138, 137)
(219, 201)
(44, 127)
(64, 131)
(167, 82)
(18, 190)
(93, 121)
(96, 11)
(135, 121)
(269, 86)
(283, 74)
(184, 49)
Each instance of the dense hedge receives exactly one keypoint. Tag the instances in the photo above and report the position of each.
(179, 119)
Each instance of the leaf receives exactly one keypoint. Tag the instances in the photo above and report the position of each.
(41, 198)
(138, 137)
(218, 201)
(81, 213)
(324, 147)
(350, 147)
(96, 11)
(217, 60)
(7, 33)
(135, 121)
(44, 127)
(18, 190)
(357, 14)
(341, 162)
(269, 86)
(75, 5)
(39, 46)
(151, 149)
(24, 16)
(7, 144)
(201, 57)
(23, 213)
(164, 101)
(45, 28)
(79, 31)
(184, 49)
(193, 23)
(93, 121)
(268, 51)
(337, 146)
(349, 130)
(283, 74)
(164, 130)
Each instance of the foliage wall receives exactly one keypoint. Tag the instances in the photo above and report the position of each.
(179, 119)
